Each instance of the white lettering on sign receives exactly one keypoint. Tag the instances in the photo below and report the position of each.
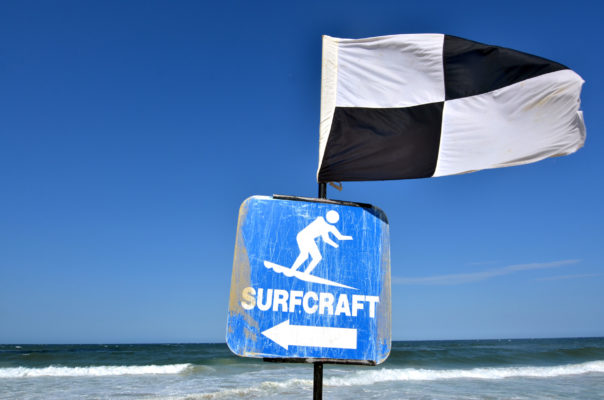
(249, 301)
(326, 303)
(310, 302)
(266, 305)
(308, 309)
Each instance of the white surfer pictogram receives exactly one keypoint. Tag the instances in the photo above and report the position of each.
(308, 248)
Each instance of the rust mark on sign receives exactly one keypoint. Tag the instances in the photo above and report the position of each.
(240, 278)
(249, 335)
(385, 307)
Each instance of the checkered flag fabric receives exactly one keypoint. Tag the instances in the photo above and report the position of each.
(417, 106)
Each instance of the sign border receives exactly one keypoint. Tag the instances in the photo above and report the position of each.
(313, 360)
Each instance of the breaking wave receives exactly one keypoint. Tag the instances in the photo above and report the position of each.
(22, 372)
(412, 374)
(259, 390)
(362, 378)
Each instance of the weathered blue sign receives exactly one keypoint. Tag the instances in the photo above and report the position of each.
(311, 279)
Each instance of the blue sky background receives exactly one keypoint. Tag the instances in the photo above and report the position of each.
(130, 133)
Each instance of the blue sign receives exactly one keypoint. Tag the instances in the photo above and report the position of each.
(311, 279)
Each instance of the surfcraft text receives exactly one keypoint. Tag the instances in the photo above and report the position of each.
(311, 302)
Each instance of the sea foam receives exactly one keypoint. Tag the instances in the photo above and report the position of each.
(412, 374)
(365, 378)
(22, 372)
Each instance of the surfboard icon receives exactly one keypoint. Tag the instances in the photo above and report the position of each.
(280, 269)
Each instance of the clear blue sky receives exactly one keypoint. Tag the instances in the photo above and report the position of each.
(130, 133)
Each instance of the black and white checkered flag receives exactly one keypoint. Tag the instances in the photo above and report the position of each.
(416, 106)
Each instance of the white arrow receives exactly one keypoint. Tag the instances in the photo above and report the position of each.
(286, 335)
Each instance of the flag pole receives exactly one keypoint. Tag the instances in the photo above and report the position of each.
(317, 387)
(322, 190)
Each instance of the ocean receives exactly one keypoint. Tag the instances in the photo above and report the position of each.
(469, 369)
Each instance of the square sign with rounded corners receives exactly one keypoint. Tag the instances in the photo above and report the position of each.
(311, 280)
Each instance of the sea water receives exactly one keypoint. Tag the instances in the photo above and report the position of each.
(480, 369)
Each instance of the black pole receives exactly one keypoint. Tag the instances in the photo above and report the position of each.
(317, 387)
(322, 190)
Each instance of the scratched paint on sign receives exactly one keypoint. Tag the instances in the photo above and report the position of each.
(311, 279)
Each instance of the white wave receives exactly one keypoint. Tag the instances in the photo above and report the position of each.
(22, 372)
(258, 390)
(362, 378)
(411, 374)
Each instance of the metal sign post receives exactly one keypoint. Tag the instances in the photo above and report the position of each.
(322, 190)
(317, 383)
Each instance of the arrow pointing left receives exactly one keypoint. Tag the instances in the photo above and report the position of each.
(286, 335)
